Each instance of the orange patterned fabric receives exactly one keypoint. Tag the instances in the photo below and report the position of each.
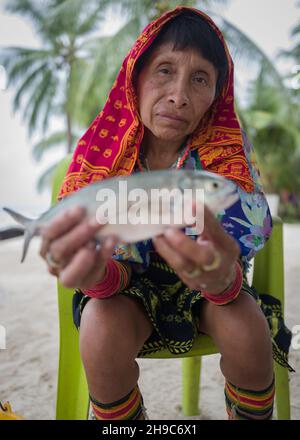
(111, 144)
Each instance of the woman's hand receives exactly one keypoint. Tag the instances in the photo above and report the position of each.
(186, 256)
(71, 253)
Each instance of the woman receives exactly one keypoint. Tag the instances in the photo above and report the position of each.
(172, 105)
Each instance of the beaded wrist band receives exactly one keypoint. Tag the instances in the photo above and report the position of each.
(116, 278)
(231, 293)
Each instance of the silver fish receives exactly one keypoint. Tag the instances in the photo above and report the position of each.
(219, 193)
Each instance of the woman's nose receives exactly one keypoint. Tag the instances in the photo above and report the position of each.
(179, 95)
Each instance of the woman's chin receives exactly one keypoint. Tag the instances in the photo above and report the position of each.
(170, 135)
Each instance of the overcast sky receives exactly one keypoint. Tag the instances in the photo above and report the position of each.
(267, 22)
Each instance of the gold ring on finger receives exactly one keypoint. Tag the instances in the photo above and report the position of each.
(51, 262)
(194, 273)
(214, 265)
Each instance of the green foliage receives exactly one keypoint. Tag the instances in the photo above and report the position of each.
(275, 132)
(71, 74)
(52, 142)
(45, 180)
(47, 79)
(108, 52)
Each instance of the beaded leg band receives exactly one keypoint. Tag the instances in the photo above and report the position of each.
(130, 407)
(244, 404)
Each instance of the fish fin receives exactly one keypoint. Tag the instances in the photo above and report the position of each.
(19, 218)
(28, 224)
(28, 235)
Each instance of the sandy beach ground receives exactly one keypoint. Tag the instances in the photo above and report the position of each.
(28, 365)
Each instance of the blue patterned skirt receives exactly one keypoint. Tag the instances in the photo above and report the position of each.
(174, 311)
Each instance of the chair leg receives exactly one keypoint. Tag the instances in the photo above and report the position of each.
(282, 392)
(72, 391)
(72, 395)
(191, 369)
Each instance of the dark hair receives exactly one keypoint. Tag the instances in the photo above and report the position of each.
(189, 30)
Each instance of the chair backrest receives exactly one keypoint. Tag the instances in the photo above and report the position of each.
(58, 176)
(268, 273)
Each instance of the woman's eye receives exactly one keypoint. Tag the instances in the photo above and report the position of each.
(200, 80)
(164, 71)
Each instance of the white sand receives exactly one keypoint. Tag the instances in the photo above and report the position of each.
(28, 366)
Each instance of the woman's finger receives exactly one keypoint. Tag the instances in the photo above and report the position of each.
(101, 259)
(80, 265)
(172, 257)
(180, 264)
(59, 226)
(190, 249)
(64, 247)
(107, 246)
(85, 267)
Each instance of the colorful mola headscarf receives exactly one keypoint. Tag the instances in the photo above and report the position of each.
(111, 144)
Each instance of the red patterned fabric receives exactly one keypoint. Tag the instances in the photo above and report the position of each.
(111, 144)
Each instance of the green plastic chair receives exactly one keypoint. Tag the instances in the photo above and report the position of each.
(72, 390)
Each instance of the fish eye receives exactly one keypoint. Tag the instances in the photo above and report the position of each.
(212, 186)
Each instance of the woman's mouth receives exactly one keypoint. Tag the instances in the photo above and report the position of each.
(171, 117)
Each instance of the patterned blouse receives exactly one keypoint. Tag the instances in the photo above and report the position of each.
(248, 220)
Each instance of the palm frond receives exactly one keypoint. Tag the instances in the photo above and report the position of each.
(55, 140)
(28, 8)
(150, 9)
(296, 30)
(108, 54)
(18, 62)
(75, 17)
(245, 49)
(45, 180)
(35, 102)
(49, 108)
(27, 84)
(293, 53)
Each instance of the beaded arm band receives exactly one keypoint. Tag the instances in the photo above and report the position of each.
(231, 293)
(116, 278)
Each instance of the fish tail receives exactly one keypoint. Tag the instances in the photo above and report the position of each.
(19, 218)
(29, 228)
(29, 234)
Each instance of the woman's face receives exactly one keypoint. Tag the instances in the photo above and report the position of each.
(174, 90)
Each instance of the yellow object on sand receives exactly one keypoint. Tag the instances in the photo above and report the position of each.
(6, 412)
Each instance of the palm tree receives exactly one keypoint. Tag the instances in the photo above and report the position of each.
(72, 73)
(275, 133)
(47, 79)
(294, 54)
(109, 51)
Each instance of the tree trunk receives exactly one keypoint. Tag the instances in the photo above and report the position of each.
(69, 133)
(70, 58)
